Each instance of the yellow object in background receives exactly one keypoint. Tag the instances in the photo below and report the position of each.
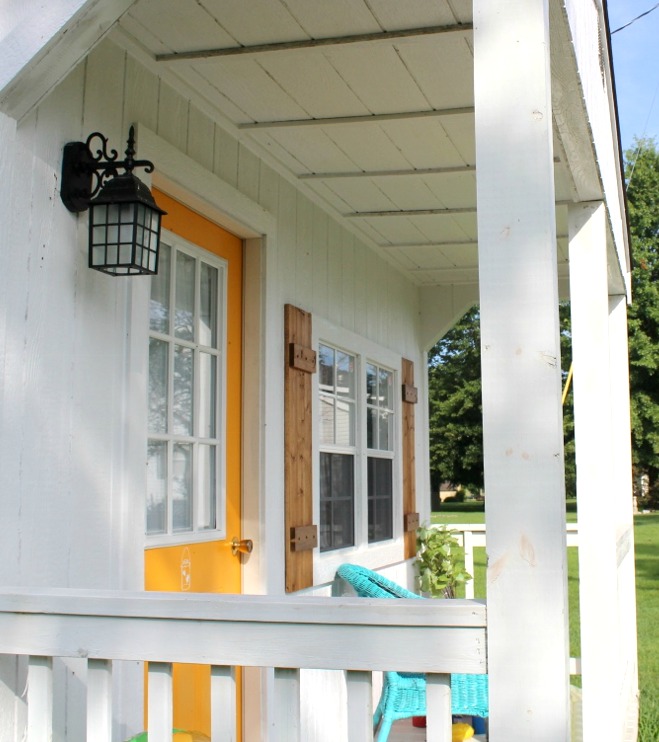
(461, 732)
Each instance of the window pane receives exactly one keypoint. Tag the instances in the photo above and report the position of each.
(386, 388)
(183, 396)
(371, 428)
(158, 374)
(385, 442)
(326, 368)
(156, 487)
(184, 303)
(326, 419)
(207, 395)
(371, 384)
(345, 423)
(159, 308)
(345, 374)
(206, 500)
(208, 308)
(380, 499)
(336, 501)
(182, 487)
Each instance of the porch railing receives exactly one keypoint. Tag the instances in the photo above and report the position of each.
(473, 535)
(224, 631)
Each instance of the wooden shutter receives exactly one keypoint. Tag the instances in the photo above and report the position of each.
(410, 514)
(301, 535)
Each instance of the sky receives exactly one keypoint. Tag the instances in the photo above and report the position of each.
(635, 51)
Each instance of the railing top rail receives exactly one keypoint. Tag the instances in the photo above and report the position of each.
(247, 608)
(305, 632)
(482, 527)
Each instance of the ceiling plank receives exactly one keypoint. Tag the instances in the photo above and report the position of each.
(385, 36)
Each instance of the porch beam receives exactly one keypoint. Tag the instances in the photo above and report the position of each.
(286, 46)
(374, 118)
(528, 657)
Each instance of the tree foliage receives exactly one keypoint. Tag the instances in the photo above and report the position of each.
(642, 171)
(456, 412)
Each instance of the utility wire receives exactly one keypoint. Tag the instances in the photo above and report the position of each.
(647, 12)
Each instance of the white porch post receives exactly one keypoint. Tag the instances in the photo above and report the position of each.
(603, 456)
(522, 420)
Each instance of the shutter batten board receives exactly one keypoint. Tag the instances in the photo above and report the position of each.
(409, 458)
(297, 446)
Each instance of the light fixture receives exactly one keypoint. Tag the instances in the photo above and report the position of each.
(124, 219)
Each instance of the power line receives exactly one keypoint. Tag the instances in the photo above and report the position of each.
(647, 12)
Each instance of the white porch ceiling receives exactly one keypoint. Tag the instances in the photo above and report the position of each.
(379, 130)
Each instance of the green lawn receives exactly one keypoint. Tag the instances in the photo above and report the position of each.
(647, 594)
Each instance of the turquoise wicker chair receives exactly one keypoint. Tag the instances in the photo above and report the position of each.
(404, 693)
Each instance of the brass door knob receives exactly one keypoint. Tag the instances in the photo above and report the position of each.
(241, 546)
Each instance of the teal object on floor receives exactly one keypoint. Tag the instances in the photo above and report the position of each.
(404, 693)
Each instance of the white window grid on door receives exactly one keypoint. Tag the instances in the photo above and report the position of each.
(208, 411)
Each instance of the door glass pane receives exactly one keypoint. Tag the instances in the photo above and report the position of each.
(207, 395)
(208, 305)
(156, 489)
(183, 390)
(206, 498)
(158, 374)
(185, 295)
(159, 308)
(182, 487)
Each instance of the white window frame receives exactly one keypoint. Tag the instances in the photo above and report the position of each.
(219, 532)
(378, 553)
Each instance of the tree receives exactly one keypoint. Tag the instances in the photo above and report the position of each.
(642, 172)
(456, 412)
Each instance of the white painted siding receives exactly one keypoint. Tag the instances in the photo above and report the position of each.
(73, 342)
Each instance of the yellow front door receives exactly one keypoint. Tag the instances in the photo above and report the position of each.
(195, 409)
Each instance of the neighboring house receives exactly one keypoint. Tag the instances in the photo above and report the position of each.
(321, 165)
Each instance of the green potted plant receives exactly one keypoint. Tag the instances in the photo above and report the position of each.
(439, 562)
(440, 569)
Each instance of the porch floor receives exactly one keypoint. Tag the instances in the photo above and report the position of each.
(403, 731)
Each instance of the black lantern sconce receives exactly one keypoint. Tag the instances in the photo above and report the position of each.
(124, 219)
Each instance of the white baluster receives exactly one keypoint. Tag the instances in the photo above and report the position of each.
(160, 702)
(438, 707)
(223, 704)
(287, 705)
(360, 705)
(468, 542)
(99, 701)
(40, 699)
